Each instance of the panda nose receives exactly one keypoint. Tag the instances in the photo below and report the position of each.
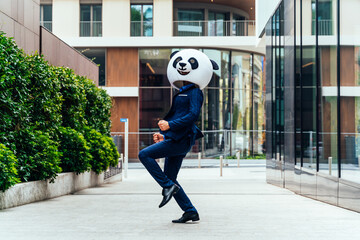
(182, 64)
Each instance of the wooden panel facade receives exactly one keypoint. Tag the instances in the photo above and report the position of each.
(127, 107)
(122, 68)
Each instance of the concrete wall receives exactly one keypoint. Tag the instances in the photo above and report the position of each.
(66, 18)
(58, 53)
(163, 18)
(20, 19)
(65, 183)
(116, 20)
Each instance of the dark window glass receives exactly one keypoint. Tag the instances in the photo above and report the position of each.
(190, 23)
(97, 55)
(90, 20)
(153, 67)
(154, 104)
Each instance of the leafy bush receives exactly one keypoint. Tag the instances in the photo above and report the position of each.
(98, 105)
(45, 98)
(8, 172)
(75, 151)
(102, 149)
(37, 154)
(14, 87)
(74, 98)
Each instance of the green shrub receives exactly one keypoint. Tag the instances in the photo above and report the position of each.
(38, 156)
(14, 87)
(98, 105)
(75, 151)
(45, 98)
(102, 149)
(8, 172)
(74, 99)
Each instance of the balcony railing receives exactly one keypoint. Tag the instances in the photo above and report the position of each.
(90, 28)
(141, 28)
(214, 28)
(325, 27)
(47, 25)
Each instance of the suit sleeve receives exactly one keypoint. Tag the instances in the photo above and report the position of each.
(196, 100)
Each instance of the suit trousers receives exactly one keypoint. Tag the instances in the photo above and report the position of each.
(174, 153)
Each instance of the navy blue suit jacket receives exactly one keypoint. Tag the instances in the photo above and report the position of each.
(183, 114)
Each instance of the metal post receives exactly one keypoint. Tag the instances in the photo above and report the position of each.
(359, 161)
(122, 159)
(126, 145)
(238, 158)
(221, 165)
(330, 164)
(199, 158)
(277, 156)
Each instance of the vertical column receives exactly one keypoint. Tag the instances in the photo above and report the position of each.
(66, 18)
(163, 18)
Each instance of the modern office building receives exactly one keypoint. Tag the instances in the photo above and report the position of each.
(313, 99)
(132, 40)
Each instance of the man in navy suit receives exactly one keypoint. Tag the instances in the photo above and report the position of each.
(178, 133)
(189, 71)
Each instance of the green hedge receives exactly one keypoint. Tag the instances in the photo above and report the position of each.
(103, 150)
(76, 155)
(37, 154)
(8, 172)
(45, 112)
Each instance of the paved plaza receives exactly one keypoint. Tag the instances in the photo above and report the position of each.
(239, 205)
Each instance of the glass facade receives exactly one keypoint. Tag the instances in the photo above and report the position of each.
(233, 113)
(319, 71)
(141, 20)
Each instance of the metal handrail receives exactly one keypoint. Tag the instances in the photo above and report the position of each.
(214, 28)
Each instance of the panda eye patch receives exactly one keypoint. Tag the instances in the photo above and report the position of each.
(194, 63)
(178, 59)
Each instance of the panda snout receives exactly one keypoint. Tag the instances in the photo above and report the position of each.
(182, 65)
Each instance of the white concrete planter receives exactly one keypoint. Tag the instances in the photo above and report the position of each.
(65, 183)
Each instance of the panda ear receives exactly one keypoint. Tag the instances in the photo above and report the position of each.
(173, 54)
(214, 64)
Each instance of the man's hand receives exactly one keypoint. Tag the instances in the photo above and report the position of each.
(163, 125)
(158, 137)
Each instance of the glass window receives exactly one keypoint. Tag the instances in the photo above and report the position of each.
(46, 16)
(154, 104)
(190, 23)
(90, 20)
(142, 20)
(220, 77)
(98, 56)
(153, 67)
(325, 22)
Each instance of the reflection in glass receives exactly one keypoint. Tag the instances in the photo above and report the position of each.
(349, 91)
(141, 20)
(153, 66)
(154, 104)
(328, 153)
(220, 77)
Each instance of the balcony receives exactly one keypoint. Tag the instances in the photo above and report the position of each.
(141, 28)
(325, 27)
(47, 25)
(214, 28)
(90, 28)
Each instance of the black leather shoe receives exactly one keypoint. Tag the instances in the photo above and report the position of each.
(168, 193)
(193, 216)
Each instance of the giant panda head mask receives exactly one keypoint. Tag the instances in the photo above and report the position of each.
(192, 66)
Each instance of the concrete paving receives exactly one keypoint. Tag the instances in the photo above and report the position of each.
(239, 205)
